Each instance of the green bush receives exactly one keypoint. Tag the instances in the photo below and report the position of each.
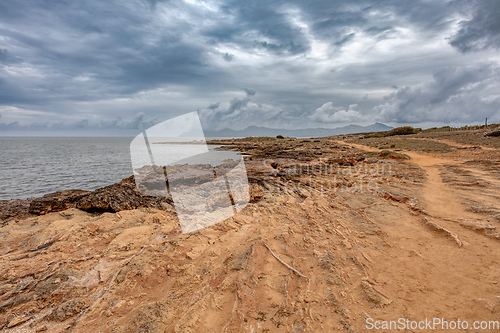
(405, 130)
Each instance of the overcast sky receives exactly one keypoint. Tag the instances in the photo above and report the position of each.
(106, 67)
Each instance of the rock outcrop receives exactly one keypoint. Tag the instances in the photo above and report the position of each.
(120, 196)
(113, 198)
(54, 202)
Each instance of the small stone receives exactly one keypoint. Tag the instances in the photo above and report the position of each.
(67, 310)
(18, 320)
(303, 193)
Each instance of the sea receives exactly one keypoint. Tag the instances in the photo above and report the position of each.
(32, 167)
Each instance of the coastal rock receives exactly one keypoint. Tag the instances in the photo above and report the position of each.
(15, 208)
(114, 198)
(54, 202)
(120, 196)
(67, 309)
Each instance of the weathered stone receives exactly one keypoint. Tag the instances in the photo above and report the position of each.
(67, 310)
(18, 320)
(120, 196)
(57, 201)
(15, 208)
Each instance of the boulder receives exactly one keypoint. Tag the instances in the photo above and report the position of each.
(120, 196)
(15, 208)
(57, 201)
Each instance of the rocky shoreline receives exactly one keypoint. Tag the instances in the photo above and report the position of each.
(335, 233)
(112, 198)
(125, 196)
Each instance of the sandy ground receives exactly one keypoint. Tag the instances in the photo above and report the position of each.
(323, 249)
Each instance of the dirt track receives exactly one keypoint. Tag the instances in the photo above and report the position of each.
(386, 238)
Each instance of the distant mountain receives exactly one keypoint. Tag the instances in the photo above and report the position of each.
(298, 133)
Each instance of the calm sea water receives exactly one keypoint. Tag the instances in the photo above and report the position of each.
(32, 167)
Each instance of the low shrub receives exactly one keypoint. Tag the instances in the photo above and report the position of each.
(405, 130)
(374, 135)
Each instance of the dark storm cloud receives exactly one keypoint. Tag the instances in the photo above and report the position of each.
(454, 94)
(338, 20)
(481, 29)
(259, 24)
(228, 56)
(213, 106)
(215, 116)
(107, 41)
(66, 64)
(250, 92)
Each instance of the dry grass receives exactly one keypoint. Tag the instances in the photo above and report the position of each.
(405, 143)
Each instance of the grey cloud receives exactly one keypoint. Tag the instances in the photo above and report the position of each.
(345, 40)
(463, 94)
(213, 106)
(10, 126)
(288, 47)
(249, 92)
(329, 113)
(81, 61)
(236, 104)
(6, 58)
(83, 123)
(334, 19)
(138, 122)
(377, 30)
(242, 112)
(482, 29)
(113, 50)
(430, 17)
(332, 22)
(213, 117)
(228, 56)
(269, 26)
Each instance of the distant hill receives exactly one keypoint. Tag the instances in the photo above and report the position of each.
(298, 133)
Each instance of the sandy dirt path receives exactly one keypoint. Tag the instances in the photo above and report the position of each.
(441, 277)
(439, 198)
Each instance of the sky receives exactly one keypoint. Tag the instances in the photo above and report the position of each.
(113, 67)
